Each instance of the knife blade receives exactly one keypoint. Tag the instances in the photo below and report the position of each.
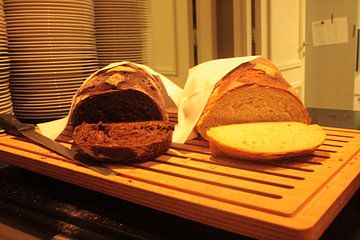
(13, 126)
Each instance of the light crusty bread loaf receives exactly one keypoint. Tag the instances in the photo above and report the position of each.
(253, 92)
(265, 140)
(119, 114)
(124, 142)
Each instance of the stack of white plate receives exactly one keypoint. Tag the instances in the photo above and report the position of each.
(5, 97)
(122, 30)
(52, 50)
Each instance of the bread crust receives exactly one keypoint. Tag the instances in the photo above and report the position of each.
(116, 80)
(259, 72)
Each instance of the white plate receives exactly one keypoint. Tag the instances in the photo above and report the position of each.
(118, 18)
(28, 17)
(46, 65)
(51, 27)
(120, 51)
(53, 34)
(45, 4)
(42, 100)
(62, 106)
(4, 75)
(74, 56)
(6, 107)
(42, 104)
(56, 85)
(46, 38)
(47, 81)
(114, 38)
(122, 46)
(55, 88)
(41, 112)
(48, 1)
(37, 113)
(49, 77)
(51, 48)
(54, 53)
(4, 67)
(46, 23)
(24, 7)
(136, 32)
(47, 28)
(8, 110)
(51, 62)
(25, 42)
(117, 4)
(43, 97)
(49, 69)
(41, 117)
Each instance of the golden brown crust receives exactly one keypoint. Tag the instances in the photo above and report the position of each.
(259, 72)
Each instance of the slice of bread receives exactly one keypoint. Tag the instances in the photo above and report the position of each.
(121, 94)
(124, 142)
(265, 140)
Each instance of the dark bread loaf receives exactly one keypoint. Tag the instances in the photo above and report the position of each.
(253, 92)
(121, 94)
(124, 142)
(119, 114)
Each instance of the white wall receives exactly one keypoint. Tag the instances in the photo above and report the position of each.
(171, 42)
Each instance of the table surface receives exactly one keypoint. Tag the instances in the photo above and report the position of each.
(42, 207)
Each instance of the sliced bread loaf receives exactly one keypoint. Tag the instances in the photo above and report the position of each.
(265, 140)
(124, 142)
(253, 92)
(119, 114)
(121, 94)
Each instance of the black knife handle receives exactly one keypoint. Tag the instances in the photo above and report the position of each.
(9, 123)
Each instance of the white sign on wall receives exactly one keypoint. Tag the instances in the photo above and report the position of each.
(330, 31)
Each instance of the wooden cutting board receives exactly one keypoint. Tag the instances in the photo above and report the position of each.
(289, 199)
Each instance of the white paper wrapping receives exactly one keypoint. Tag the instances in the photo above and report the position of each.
(198, 88)
(173, 93)
(190, 101)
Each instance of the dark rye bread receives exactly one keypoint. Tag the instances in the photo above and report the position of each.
(123, 93)
(119, 114)
(124, 142)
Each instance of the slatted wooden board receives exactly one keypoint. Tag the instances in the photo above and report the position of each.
(289, 199)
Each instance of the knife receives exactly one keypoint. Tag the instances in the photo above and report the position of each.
(13, 126)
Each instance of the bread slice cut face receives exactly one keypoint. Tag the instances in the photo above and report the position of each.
(124, 142)
(265, 140)
(253, 103)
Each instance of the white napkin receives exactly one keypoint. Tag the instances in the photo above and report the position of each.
(173, 93)
(198, 88)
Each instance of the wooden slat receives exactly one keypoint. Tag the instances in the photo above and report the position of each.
(269, 200)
